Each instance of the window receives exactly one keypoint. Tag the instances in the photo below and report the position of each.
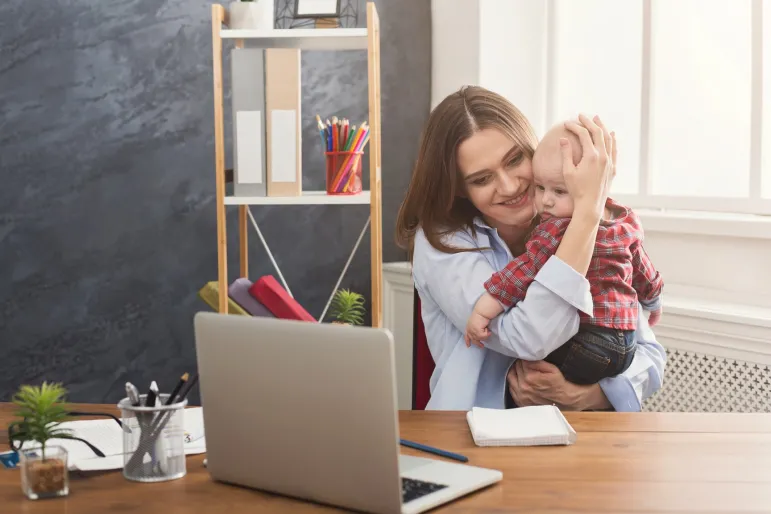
(686, 85)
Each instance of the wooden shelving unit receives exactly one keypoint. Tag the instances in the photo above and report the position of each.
(304, 39)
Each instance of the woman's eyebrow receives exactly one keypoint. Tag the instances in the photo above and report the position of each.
(514, 152)
(477, 173)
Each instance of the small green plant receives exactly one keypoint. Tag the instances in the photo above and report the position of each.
(41, 408)
(348, 307)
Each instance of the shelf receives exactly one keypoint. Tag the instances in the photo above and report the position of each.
(305, 39)
(307, 198)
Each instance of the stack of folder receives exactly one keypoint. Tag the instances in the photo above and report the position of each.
(265, 298)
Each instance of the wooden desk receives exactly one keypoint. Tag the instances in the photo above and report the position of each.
(642, 462)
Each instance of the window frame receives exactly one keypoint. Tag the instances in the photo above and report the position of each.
(754, 203)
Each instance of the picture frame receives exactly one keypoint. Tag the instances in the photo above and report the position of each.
(312, 9)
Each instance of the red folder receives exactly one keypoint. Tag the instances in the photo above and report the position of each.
(270, 293)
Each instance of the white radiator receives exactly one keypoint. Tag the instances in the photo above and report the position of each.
(696, 382)
(719, 355)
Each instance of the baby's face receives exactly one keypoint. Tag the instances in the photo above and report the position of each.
(551, 195)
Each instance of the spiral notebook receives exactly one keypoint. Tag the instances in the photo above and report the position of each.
(524, 426)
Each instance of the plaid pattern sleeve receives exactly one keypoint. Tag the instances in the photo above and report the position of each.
(645, 279)
(510, 284)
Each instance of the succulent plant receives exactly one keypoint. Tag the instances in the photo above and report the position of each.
(348, 307)
(41, 408)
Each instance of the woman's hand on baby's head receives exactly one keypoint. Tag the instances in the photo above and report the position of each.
(589, 181)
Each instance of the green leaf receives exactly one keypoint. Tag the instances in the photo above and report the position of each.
(348, 307)
(41, 408)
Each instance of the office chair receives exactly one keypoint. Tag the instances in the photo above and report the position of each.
(422, 362)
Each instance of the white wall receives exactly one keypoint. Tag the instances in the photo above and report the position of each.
(455, 41)
(497, 44)
(512, 55)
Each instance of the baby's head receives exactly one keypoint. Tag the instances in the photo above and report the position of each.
(551, 195)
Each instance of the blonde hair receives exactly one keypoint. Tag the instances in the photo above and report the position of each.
(434, 200)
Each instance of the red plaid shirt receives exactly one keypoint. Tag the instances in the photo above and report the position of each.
(619, 271)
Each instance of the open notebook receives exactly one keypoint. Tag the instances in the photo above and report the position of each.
(107, 435)
(524, 426)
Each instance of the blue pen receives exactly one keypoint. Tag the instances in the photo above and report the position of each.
(435, 451)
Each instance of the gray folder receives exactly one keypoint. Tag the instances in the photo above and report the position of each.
(248, 97)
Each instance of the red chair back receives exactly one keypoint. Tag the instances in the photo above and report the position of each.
(422, 362)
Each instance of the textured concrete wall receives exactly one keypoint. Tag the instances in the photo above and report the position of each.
(107, 221)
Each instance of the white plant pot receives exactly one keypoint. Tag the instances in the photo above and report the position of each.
(251, 15)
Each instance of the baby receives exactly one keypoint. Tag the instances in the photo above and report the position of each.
(620, 274)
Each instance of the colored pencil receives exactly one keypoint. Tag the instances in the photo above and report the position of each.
(344, 166)
(322, 132)
(349, 138)
(349, 179)
(350, 158)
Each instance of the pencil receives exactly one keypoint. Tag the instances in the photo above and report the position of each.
(351, 175)
(349, 138)
(348, 160)
(182, 381)
(346, 148)
(321, 131)
(186, 389)
(335, 134)
(348, 179)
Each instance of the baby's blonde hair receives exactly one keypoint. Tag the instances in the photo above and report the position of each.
(550, 142)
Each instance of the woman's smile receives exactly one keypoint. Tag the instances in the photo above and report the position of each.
(517, 201)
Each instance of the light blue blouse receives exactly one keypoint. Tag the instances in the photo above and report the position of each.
(449, 286)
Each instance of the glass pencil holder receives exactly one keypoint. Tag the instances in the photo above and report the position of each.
(343, 173)
(153, 440)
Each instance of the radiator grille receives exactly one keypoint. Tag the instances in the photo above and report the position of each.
(695, 382)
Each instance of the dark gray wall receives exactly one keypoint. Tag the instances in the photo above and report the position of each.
(107, 221)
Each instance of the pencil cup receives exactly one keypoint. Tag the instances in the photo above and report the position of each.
(154, 447)
(344, 173)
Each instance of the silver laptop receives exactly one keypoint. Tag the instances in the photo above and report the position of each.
(308, 410)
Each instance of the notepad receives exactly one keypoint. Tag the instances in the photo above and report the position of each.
(107, 435)
(524, 426)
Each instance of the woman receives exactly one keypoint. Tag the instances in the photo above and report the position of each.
(468, 209)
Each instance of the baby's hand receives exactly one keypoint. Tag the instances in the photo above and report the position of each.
(476, 330)
(654, 318)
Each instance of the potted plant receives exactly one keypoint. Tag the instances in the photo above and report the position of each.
(251, 14)
(347, 308)
(43, 467)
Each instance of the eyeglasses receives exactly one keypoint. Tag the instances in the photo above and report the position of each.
(15, 432)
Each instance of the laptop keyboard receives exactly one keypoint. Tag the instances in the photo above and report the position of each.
(413, 489)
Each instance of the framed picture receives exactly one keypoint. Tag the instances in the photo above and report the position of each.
(317, 8)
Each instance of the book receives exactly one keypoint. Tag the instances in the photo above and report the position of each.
(523, 426)
(209, 293)
(269, 292)
(239, 291)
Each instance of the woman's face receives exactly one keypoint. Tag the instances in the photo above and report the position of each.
(498, 178)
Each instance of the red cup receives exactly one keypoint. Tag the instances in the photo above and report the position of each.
(344, 173)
